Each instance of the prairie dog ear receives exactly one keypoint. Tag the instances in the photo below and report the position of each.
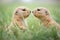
(47, 12)
(16, 12)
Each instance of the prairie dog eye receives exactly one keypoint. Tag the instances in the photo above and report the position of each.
(38, 9)
(23, 9)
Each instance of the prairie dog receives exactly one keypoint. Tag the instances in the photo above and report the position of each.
(43, 14)
(19, 15)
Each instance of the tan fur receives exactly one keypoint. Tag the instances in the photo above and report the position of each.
(44, 15)
(19, 15)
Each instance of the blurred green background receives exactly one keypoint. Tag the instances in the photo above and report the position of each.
(36, 30)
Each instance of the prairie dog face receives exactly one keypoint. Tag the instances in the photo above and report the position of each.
(40, 12)
(22, 11)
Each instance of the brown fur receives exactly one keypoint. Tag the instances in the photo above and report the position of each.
(43, 14)
(19, 15)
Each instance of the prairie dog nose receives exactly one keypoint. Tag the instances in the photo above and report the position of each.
(30, 11)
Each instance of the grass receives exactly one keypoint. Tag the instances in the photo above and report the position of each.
(36, 30)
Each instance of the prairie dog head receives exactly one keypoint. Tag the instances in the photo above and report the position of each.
(22, 12)
(41, 12)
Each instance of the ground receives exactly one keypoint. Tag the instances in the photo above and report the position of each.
(35, 31)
